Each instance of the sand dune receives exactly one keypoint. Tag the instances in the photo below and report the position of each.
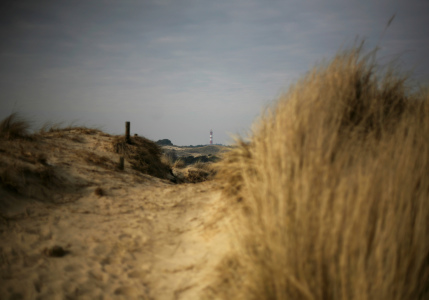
(101, 233)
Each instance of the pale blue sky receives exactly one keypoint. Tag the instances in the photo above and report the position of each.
(177, 69)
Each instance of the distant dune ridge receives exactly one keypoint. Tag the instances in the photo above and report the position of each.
(46, 164)
(332, 191)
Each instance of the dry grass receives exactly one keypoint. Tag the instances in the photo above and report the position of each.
(59, 128)
(199, 172)
(25, 170)
(333, 190)
(172, 161)
(14, 127)
(143, 155)
(97, 160)
(28, 180)
(201, 165)
(180, 164)
(195, 175)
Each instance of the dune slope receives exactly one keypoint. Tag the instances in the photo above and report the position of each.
(73, 226)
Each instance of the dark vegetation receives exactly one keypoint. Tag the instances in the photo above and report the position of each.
(164, 142)
(199, 146)
(190, 160)
(143, 155)
(187, 160)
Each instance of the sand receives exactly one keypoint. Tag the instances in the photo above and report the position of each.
(142, 238)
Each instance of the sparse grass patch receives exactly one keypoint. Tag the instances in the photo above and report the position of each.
(28, 180)
(95, 159)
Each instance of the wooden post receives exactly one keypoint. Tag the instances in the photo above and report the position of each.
(127, 132)
(121, 163)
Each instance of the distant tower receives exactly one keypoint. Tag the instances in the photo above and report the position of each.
(211, 137)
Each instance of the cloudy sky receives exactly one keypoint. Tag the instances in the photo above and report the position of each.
(178, 68)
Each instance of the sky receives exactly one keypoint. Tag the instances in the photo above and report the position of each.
(177, 68)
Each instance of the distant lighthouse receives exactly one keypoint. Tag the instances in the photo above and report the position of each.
(211, 137)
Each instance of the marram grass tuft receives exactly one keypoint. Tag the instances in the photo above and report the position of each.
(333, 190)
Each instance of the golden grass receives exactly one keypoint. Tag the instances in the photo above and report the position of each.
(333, 190)
(180, 164)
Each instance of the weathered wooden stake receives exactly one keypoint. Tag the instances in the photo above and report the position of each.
(127, 132)
(121, 163)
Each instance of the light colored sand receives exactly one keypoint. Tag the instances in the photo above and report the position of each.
(144, 239)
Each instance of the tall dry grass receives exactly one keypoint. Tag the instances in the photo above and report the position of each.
(333, 190)
(14, 126)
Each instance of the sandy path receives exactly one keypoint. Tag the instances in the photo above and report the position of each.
(150, 241)
(190, 240)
